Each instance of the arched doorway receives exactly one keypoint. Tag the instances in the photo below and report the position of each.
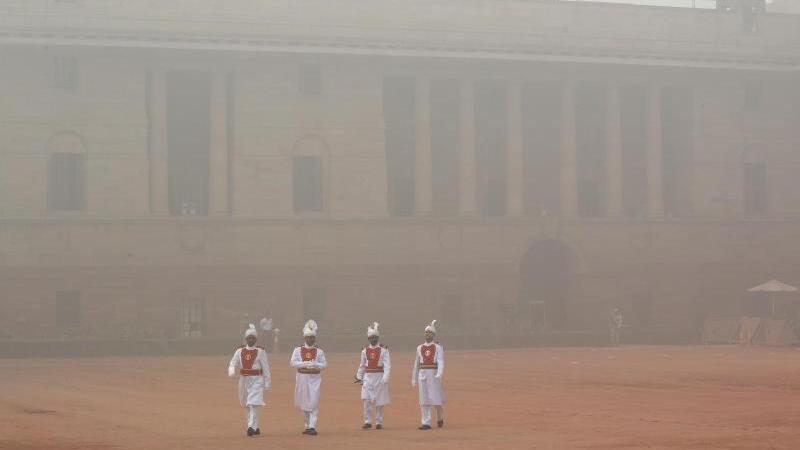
(546, 271)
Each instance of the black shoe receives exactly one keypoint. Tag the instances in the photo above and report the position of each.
(424, 427)
(250, 432)
(367, 426)
(378, 427)
(440, 423)
(312, 432)
(306, 430)
(257, 432)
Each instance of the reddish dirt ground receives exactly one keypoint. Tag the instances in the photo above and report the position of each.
(582, 398)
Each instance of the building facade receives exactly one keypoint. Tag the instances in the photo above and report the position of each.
(176, 169)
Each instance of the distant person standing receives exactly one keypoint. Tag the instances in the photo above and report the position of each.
(309, 360)
(373, 374)
(250, 363)
(428, 371)
(276, 347)
(615, 326)
(266, 328)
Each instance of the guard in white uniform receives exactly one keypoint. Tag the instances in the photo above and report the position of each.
(428, 372)
(250, 363)
(373, 374)
(309, 362)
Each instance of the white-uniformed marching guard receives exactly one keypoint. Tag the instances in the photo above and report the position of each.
(309, 360)
(250, 363)
(428, 372)
(373, 374)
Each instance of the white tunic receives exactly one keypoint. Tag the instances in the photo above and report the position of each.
(251, 388)
(431, 391)
(307, 386)
(375, 387)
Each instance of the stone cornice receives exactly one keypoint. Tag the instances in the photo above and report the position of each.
(513, 30)
(373, 47)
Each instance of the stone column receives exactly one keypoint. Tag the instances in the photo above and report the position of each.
(569, 167)
(614, 204)
(218, 192)
(159, 187)
(655, 187)
(422, 159)
(514, 159)
(467, 172)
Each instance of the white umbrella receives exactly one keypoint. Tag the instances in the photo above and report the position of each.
(771, 287)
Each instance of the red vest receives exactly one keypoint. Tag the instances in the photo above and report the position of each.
(428, 352)
(373, 359)
(308, 354)
(248, 358)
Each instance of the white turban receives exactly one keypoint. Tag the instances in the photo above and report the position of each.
(431, 327)
(251, 331)
(310, 328)
(373, 330)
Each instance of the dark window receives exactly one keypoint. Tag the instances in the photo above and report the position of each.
(590, 128)
(314, 303)
(541, 146)
(309, 80)
(491, 136)
(66, 182)
(66, 73)
(188, 142)
(193, 312)
(755, 188)
(751, 15)
(676, 147)
(68, 309)
(399, 112)
(633, 116)
(752, 94)
(445, 146)
(307, 183)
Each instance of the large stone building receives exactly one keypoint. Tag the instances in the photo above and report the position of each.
(174, 168)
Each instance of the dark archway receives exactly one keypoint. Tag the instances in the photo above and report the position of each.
(546, 271)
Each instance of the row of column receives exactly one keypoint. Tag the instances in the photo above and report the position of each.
(218, 195)
(568, 175)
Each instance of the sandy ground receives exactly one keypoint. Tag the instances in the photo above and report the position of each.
(605, 398)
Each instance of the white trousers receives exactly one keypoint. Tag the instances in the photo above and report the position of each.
(426, 413)
(368, 405)
(251, 412)
(311, 418)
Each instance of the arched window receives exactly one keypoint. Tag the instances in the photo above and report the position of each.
(66, 173)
